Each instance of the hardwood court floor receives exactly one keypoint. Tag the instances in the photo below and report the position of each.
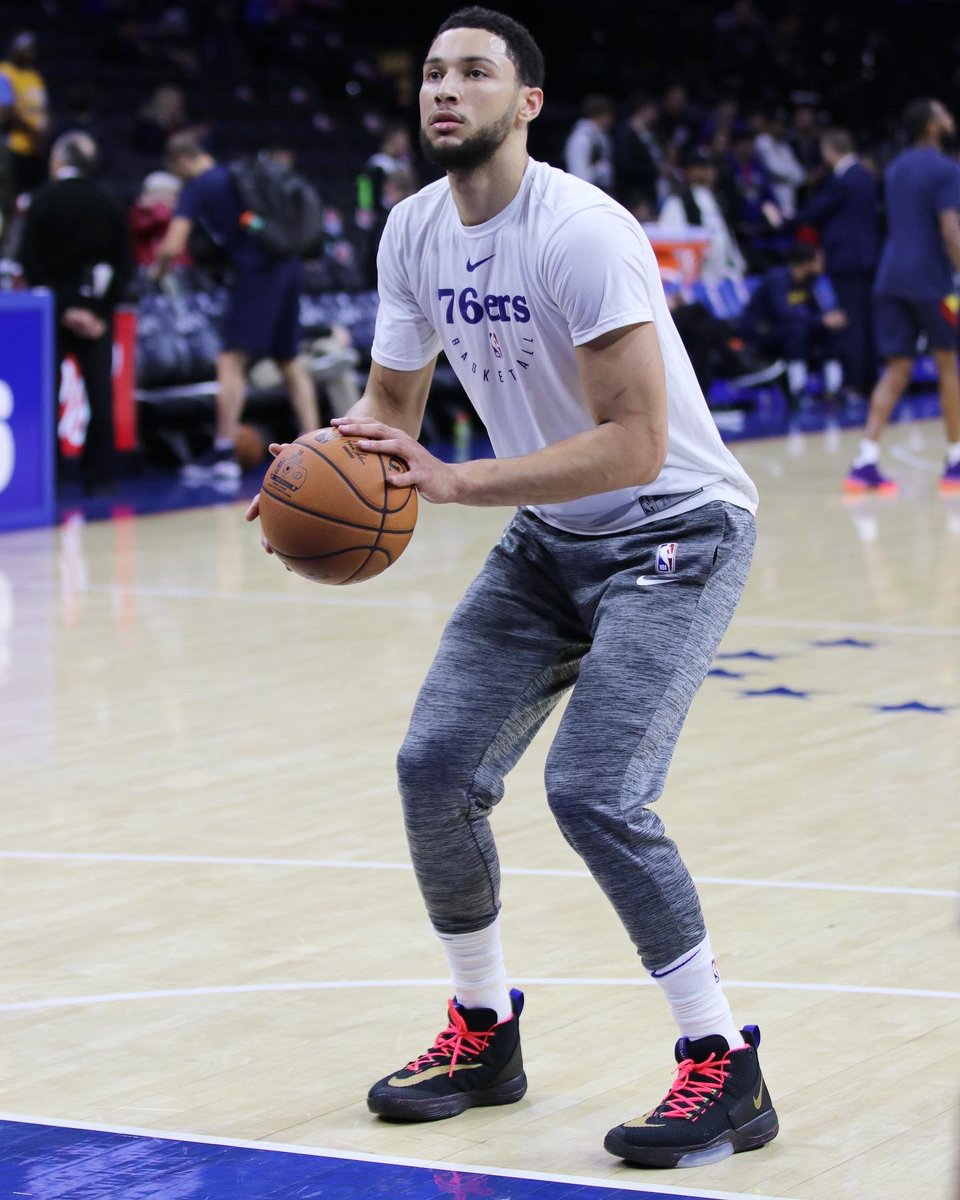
(209, 924)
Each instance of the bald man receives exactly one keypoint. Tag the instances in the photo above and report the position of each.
(75, 242)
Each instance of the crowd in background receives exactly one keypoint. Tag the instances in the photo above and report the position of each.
(735, 120)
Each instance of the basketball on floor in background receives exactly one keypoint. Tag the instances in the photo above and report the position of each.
(328, 512)
(250, 446)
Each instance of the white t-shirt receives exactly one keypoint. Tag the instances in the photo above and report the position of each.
(509, 300)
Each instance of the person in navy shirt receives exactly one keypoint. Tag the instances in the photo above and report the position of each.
(915, 291)
(846, 213)
(263, 308)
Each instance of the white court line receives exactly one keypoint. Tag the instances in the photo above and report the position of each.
(914, 460)
(348, 865)
(334, 985)
(430, 1164)
(420, 604)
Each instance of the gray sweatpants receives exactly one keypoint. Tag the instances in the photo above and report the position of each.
(548, 611)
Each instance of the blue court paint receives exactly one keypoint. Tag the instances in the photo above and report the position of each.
(755, 655)
(913, 706)
(782, 692)
(853, 643)
(47, 1162)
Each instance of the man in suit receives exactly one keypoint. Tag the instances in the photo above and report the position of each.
(75, 243)
(637, 158)
(846, 212)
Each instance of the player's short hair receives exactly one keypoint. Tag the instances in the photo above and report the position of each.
(182, 145)
(916, 117)
(522, 50)
(840, 140)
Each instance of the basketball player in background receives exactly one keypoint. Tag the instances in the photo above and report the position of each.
(915, 291)
(617, 577)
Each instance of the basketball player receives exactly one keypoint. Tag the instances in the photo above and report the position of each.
(617, 577)
(915, 291)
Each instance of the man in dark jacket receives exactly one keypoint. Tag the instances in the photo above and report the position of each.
(75, 243)
(846, 212)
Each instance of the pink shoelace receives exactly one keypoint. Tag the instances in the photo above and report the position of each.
(695, 1083)
(454, 1042)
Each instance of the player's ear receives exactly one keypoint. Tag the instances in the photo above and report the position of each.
(531, 102)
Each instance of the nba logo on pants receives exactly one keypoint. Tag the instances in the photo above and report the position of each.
(666, 558)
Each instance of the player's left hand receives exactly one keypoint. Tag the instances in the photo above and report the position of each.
(434, 479)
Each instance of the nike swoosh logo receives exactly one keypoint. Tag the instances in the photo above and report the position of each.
(758, 1098)
(653, 580)
(645, 1121)
(473, 266)
(430, 1073)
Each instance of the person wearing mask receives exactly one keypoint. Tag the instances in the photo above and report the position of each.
(915, 292)
(150, 216)
(75, 243)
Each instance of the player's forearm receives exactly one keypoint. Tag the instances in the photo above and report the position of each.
(377, 406)
(396, 398)
(602, 459)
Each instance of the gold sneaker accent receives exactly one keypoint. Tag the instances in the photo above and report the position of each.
(431, 1073)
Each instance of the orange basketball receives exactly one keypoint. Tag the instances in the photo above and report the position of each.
(328, 513)
(249, 447)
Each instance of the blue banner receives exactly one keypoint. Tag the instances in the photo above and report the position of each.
(27, 410)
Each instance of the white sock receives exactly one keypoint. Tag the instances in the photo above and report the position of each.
(832, 376)
(868, 453)
(477, 969)
(223, 443)
(796, 376)
(953, 453)
(691, 984)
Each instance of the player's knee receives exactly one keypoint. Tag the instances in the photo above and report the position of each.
(427, 765)
(568, 789)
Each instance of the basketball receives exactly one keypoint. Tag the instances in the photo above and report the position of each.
(250, 447)
(328, 512)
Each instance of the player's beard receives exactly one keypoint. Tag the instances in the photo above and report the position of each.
(473, 151)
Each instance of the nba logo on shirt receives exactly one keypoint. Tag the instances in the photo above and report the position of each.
(495, 346)
(666, 558)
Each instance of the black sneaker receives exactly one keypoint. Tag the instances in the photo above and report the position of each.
(718, 1105)
(473, 1061)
